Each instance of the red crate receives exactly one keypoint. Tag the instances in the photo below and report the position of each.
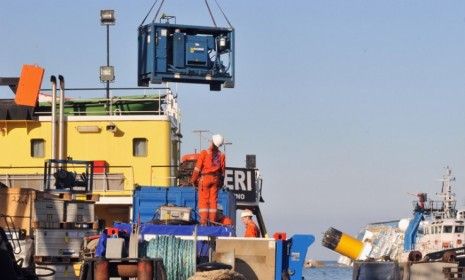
(100, 167)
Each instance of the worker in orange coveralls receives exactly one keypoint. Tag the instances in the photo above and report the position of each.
(251, 229)
(208, 176)
(221, 218)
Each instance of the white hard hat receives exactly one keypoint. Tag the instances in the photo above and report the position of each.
(217, 140)
(246, 213)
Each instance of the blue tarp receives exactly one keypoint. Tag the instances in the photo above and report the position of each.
(179, 229)
(202, 246)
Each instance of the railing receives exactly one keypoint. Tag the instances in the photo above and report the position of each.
(161, 100)
(121, 180)
(160, 180)
(432, 205)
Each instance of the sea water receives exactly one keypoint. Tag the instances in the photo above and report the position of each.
(331, 271)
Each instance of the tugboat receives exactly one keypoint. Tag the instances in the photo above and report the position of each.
(438, 224)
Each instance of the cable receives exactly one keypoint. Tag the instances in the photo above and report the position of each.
(148, 13)
(225, 17)
(158, 11)
(210, 11)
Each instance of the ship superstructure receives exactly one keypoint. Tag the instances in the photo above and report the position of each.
(443, 225)
(132, 140)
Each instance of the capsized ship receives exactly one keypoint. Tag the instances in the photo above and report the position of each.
(435, 232)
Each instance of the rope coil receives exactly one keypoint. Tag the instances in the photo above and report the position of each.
(177, 254)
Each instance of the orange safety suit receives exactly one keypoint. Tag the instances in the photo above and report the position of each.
(225, 221)
(209, 172)
(251, 230)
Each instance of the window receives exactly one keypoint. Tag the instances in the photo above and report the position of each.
(37, 148)
(447, 229)
(139, 147)
(458, 229)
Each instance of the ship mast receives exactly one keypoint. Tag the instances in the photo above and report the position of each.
(447, 194)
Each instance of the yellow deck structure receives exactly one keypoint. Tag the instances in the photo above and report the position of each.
(139, 149)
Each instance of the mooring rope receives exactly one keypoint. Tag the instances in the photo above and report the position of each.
(177, 255)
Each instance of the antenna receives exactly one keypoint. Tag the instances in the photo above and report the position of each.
(446, 193)
(225, 144)
(200, 131)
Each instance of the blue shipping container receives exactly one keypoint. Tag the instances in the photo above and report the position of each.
(147, 200)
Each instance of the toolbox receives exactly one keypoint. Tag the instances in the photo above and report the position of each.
(60, 242)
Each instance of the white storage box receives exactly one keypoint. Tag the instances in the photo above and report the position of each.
(60, 242)
(48, 213)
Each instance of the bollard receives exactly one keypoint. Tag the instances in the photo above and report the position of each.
(145, 269)
(101, 271)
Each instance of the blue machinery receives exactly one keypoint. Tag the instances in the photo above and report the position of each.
(411, 232)
(290, 256)
(186, 54)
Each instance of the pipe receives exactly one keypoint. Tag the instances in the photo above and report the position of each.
(53, 79)
(61, 123)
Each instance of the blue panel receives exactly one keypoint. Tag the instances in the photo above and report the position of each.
(178, 229)
(411, 232)
(179, 50)
(279, 260)
(160, 51)
(197, 49)
(290, 256)
(147, 200)
(295, 255)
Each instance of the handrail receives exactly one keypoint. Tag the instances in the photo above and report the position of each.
(104, 89)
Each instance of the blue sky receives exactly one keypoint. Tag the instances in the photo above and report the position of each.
(348, 105)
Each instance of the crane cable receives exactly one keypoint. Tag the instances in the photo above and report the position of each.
(210, 12)
(206, 3)
(158, 11)
(224, 15)
(146, 16)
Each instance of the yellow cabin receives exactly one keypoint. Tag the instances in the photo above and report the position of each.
(134, 142)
